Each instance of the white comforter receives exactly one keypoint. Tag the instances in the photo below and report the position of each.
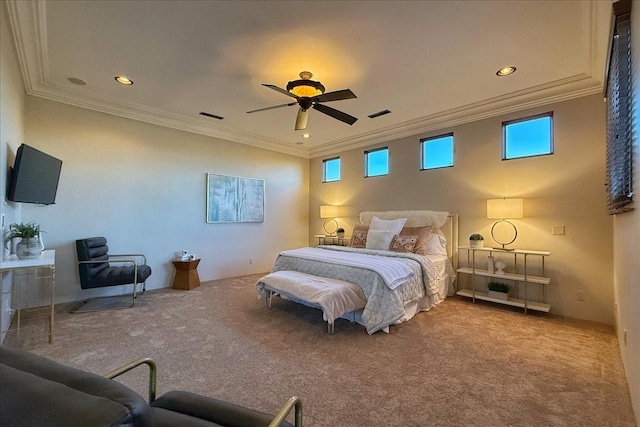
(384, 305)
(393, 273)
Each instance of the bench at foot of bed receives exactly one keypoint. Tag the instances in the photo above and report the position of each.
(334, 297)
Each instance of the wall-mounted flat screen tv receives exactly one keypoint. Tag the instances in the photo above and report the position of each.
(34, 178)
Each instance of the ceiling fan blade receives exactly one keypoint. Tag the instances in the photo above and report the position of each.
(343, 117)
(279, 89)
(337, 95)
(301, 119)
(271, 108)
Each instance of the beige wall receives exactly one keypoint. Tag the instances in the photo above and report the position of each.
(143, 187)
(12, 99)
(565, 188)
(626, 239)
(12, 119)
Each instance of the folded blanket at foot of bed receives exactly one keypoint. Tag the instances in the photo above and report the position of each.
(335, 297)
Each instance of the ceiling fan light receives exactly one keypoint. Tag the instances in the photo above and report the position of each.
(305, 87)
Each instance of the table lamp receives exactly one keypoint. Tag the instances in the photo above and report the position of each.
(330, 213)
(504, 209)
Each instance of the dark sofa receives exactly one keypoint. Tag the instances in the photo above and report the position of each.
(36, 391)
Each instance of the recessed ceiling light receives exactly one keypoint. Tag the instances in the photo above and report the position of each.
(306, 135)
(299, 143)
(505, 71)
(124, 80)
(77, 81)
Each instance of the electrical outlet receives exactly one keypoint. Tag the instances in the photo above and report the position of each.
(615, 307)
(580, 295)
(557, 230)
(250, 260)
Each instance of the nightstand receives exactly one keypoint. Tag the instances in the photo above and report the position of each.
(186, 275)
(333, 240)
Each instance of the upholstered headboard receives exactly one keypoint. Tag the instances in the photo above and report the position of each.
(445, 221)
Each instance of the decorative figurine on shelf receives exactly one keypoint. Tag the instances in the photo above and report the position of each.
(340, 232)
(476, 240)
(500, 265)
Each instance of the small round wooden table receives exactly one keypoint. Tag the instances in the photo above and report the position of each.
(186, 277)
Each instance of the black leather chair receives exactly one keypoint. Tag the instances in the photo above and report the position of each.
(98, 268)
(40, 392)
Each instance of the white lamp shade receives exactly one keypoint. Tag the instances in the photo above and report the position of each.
(328, 211)
(504, 208)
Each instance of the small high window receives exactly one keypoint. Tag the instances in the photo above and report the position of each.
(376, 162)
(527, 137)
(331, 170)
(437, 152)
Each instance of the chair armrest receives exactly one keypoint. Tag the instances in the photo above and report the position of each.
(153, 370)
(294, 401)
(98, 261)
(144, 258)
(220, 412)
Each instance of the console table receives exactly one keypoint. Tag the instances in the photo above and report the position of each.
(45, 261)
(524, 277)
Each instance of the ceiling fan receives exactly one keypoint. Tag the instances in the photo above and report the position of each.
(310, 94)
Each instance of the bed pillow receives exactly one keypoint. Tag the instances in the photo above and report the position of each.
(394, 225)
(422, 237)
(359, 236)
(403, 243)
(437, 245)
(359, 239)
(379, 239)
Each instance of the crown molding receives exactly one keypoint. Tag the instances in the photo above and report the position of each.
(162, 118)
(562, 90)
(28, 24)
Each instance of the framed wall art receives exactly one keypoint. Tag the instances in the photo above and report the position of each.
(234, 199)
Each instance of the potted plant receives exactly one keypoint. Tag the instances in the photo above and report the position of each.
(476, 240)
(30, 245)
(498, 290)
(340, 232)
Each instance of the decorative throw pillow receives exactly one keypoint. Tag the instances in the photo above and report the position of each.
(403, 243)
(437, 245)
(359, 239)
(394, 225)
(422, 237)
(379, 239)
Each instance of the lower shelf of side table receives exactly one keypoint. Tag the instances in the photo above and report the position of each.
(531, 305)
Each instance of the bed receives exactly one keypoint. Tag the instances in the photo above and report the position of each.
(397, 283)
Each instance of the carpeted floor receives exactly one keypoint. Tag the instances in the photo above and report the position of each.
(458, 365)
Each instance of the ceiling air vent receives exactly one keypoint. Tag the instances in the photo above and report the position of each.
(213, 116)
(378, 114)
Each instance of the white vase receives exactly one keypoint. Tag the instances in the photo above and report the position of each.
(476, 243)
(29, 248)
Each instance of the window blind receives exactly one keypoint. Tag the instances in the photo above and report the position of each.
(619, 184)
